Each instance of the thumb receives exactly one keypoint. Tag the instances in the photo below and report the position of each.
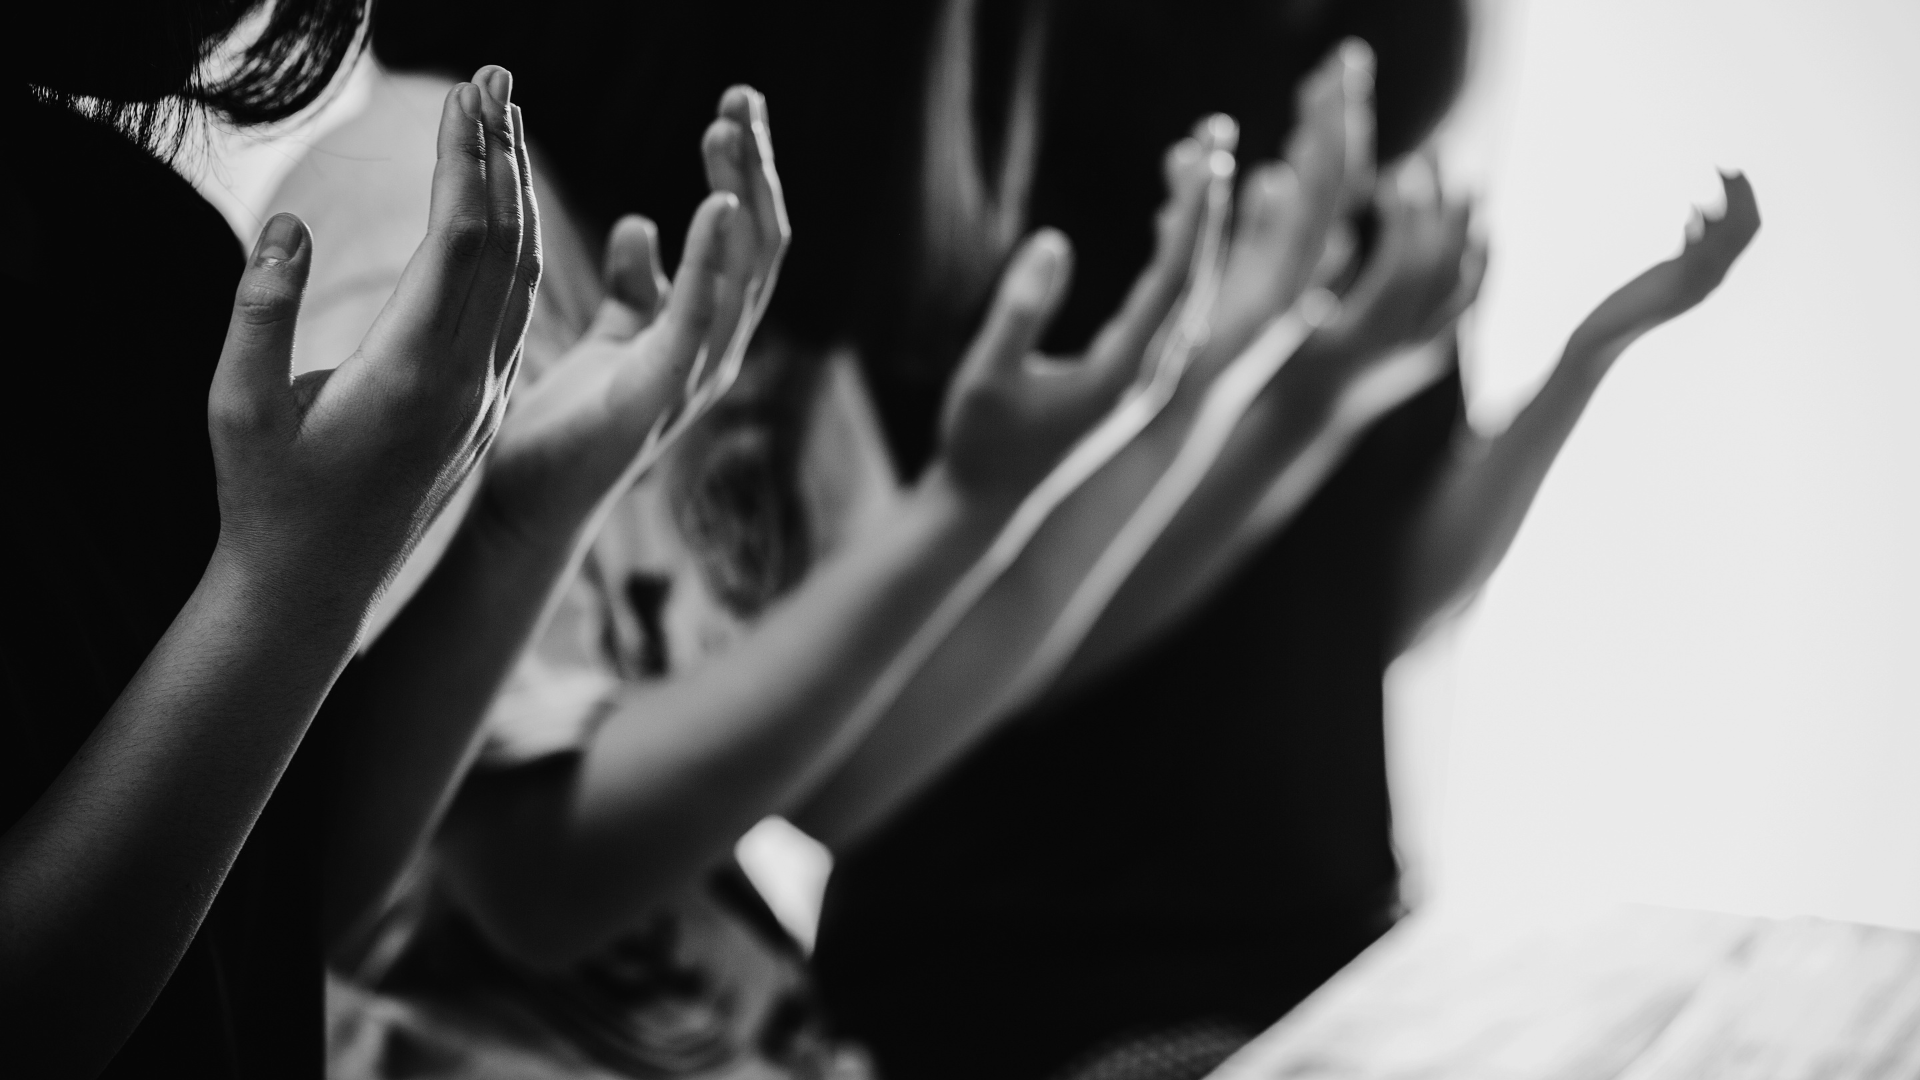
(1030, 292)
(637, 287)
(250, 387)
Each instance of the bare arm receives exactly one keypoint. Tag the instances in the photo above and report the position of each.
(1482, 494)
(407, 720)
(558, 857)
(323, 482)
(1284, 229)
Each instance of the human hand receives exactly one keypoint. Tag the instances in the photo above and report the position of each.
(1424, 271)
(1673, 287)
(656, 352)
(1293, 234)
(329, 478)
(1011, 412)
(1291, 230)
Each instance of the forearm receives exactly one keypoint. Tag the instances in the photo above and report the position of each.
(105, 880)
(1481, 495)
(402, 727)
(1290, 441)
(557, 860)
(1286, 426)
(1281, 449)
(981, 670)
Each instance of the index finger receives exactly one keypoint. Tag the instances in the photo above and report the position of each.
(765, 200)
(1191, 167)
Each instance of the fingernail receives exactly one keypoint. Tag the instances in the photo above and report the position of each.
(1356, 70)
(278, 242)
(1357, 56)
(469, 96)
(1043, 267)
(1223, 132)
(500, 85)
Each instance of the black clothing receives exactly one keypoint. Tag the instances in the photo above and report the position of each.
(1201, 837)
(120, 293)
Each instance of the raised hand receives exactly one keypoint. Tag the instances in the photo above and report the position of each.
(329, 478)
(1012, 412)
(1673, 287)
(656, 351)
(1292, 234)
(1482, 494)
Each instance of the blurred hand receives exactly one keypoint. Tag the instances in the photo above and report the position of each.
(574, 437)
(330, 477)
(1673, 287)
(1292, 233)
(1011, 412)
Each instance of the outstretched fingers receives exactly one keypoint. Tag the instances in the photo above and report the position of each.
(1030, 293)
(1676, 285)
(1406, 291)
(699, 287)
(498, 271)
(445, 317)
(1191, 166)
(636, 285)
(251, 385)
(526, 277)
(1716, 240)
(1289, 228)
(761, 195)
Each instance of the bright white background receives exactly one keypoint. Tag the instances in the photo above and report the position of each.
(1693, 681)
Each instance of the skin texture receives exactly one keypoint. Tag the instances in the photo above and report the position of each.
(324, 482)
(554, 862)
(409, 717)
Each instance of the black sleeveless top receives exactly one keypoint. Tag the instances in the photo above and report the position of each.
(118, 300)
(1201, 837)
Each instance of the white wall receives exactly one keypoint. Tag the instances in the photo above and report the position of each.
(1693, 680)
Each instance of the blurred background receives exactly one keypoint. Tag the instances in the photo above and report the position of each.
(1695, 681)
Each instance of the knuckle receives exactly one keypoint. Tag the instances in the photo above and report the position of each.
(465, 234)
(503, 235)
(262, 303)
(232, 413)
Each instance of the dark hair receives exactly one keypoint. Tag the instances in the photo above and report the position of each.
(617, 93)
(147, 68)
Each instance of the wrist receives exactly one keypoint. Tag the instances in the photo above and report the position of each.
(965, 511)
(271, 592)
(495, 524)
